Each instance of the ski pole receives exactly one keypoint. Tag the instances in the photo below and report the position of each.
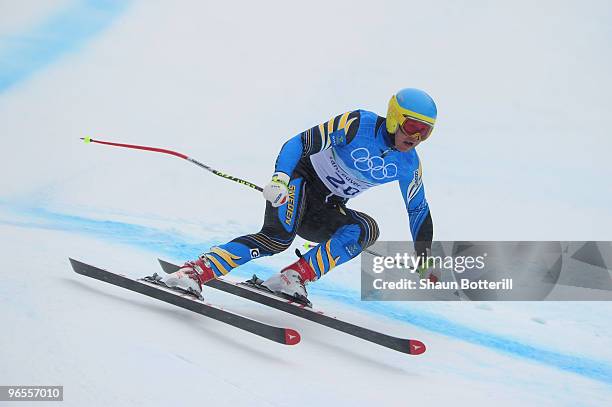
(176, 154)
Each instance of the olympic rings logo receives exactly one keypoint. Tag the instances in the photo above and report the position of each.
(375, 164)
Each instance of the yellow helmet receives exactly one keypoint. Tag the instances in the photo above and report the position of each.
(410, 103)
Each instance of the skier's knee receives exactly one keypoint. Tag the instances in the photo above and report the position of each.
(272, 243)
(369, 232)
(280, 248)
(374, 235)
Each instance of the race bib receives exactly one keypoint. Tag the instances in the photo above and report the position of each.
(336, 178)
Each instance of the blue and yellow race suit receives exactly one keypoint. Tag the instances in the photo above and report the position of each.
(329, 164)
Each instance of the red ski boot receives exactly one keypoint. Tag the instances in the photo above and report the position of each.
(191, 276)
(291, 281)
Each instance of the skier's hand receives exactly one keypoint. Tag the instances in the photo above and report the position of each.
(277, 189)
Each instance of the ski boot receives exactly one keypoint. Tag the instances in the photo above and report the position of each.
(190, 276)
(291, 282)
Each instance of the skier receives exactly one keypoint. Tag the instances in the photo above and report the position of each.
(316, 173)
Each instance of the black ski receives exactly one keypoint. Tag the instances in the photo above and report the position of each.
(285, 336)
(409, 346)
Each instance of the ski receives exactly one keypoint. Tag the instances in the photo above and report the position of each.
(408, 346)
(284, 336)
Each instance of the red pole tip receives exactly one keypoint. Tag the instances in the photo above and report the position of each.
(292, 337)
(416, 347)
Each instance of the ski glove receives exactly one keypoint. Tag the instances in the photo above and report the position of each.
(427, 271)
(277, 189)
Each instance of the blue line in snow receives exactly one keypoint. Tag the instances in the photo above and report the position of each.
(66, 31)
(169, 243)
(583, 366)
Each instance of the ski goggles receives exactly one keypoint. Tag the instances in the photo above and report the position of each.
(412, 126)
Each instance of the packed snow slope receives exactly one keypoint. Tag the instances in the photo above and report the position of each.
(518, 153)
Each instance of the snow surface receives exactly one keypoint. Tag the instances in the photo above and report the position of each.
(519, 153)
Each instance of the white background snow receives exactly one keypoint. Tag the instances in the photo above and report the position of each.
(520, 152)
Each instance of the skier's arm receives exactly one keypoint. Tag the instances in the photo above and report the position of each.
(338, 130)
(421, 224)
